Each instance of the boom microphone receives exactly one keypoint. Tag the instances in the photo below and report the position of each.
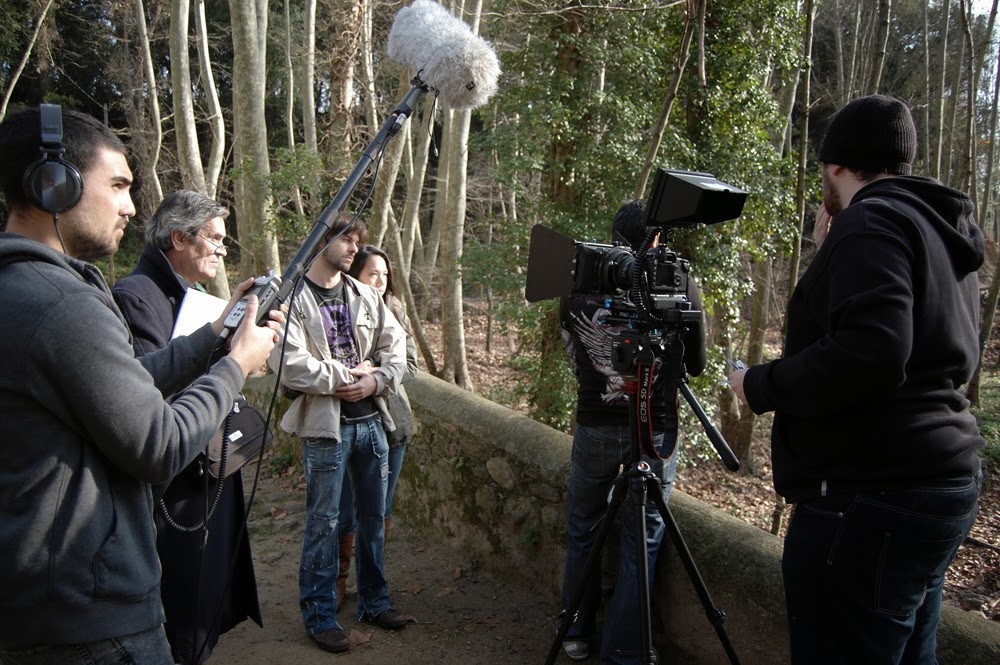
(445, 54)
(449, 58)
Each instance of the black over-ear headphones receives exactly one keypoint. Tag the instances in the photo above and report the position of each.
(52, 183)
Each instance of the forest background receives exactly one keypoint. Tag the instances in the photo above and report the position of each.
(267, 105)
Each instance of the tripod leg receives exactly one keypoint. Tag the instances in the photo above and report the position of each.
(715, 615)
(568, 615)
(640, 486)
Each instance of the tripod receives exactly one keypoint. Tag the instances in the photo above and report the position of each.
(638, 481)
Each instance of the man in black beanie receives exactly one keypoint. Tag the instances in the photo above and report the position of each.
(872, 434)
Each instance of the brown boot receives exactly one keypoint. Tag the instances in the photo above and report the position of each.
(346, 552)
(388, 523)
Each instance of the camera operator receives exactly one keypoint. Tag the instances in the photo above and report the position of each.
(601, 445)
(87, 430)
(872, 436)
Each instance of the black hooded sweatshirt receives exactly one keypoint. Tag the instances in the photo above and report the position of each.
(883, 331)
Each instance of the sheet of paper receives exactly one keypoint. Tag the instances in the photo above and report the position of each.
(197, 309)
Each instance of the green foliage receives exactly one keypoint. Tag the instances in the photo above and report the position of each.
(573, 124)
(283, 456)
(550, 388)
(988, 416)
(530, 537)
(296, 170)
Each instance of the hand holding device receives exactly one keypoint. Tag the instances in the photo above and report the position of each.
(252, 345)
(266, 289)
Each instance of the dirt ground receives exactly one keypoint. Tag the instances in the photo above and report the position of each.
(460, 613)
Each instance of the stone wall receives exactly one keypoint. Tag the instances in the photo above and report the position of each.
(489, 481)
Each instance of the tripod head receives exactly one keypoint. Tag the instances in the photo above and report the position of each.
(637, 356)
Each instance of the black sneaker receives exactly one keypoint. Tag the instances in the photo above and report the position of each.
(391, 619)
(334, 640)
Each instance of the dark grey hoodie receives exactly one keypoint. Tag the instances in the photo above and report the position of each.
(883, 331)
(86, 431)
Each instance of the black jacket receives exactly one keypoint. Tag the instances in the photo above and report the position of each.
(588, 337)
(149, 299)
(883, 331)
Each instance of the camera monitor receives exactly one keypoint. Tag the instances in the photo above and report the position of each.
(687, 198)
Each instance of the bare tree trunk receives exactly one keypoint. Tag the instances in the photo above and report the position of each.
(456, 366)
(185, 129)
(154, 102)
(24, 59)
(986, 210)
(188, 152)
(410, 223)
(838, 45)
(848, 93)
(800, 190)
(956, 84)
(443, 180)
(290, 100)
(702, 11)
(786, 103)
(927, 90)
(452, 325)
(969, 155)
(385, 185)
(416, 324)
(216, 122)
(343, 67)
(729, 404)
(942, 87)
(253, 198)
(393, 155)
(661, 124)
(885, 16)
(309, 79)
(741, 435)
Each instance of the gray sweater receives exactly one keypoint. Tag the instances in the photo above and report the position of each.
(86, 431)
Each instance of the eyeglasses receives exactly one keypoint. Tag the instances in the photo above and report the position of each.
(224, 244)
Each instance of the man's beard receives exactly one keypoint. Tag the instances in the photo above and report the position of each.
(90, 249)
(345, 263)
(831, 199)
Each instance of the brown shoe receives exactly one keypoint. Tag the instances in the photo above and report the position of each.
(334, 640)
(391, 619)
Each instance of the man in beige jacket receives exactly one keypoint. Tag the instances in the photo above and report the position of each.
(344, 352)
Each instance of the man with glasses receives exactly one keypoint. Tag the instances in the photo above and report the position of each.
(185, 239)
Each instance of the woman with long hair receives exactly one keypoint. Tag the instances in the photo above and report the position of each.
(372, 266)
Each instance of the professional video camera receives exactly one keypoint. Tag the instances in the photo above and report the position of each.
(645, 292)
(648, 286)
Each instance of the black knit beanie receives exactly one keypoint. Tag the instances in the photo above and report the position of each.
(873, 133)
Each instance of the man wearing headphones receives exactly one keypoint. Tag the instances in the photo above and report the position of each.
(87, 430)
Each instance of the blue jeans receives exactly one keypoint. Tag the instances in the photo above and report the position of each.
(347, 516)
(598, 452)
(864, 572)
(149, 647)
(396, 455)
(363, 453)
